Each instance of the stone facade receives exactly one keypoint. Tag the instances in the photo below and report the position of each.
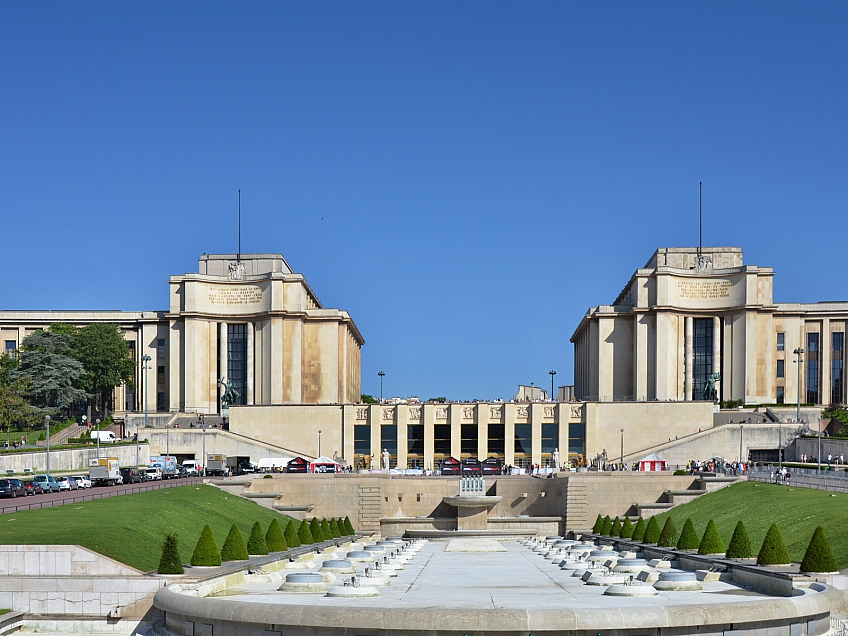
(690, 313)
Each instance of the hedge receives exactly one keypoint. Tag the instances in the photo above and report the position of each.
(626, 529)
(234, 548)
(668, 536)
(274, 539)
(291, 535)
(256, 542)
(304, 534)
(711, 542)
(740, 544)
(615, 531)
(688, 537)
(599, 525)
(170, 563)
(349, 527)
(607, 528)
(206, 551)
(315, 529)
(819, 557)
(652, 532)
(639, 530)
(773, 551)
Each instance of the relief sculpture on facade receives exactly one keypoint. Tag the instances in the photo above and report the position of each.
(388, 414)
(468, 412)
(522, 411)
(496, 412)
(550, 411)
(442, 413)
(362, 414)
(415, 413)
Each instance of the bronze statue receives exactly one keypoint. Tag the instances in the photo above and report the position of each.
(710, 392)
(230, 394)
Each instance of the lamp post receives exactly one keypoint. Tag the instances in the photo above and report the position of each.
(203, 435)
(818, 455)
(532, 390)
(798, 353)
(780, 445)
(144, 366)
(97, 426)
(319, 442)
(621, 459)
(741, 427)
(382, 375)
(47, 424)
(552, 374)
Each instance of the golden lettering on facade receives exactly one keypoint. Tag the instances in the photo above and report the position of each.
(704, 289)
(241, 295)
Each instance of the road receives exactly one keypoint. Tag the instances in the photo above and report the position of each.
(51, 500)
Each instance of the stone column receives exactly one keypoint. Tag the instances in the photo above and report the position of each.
(250, 365)
(717, 350)
(689, 360)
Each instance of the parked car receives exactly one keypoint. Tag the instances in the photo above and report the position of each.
(67, 483)
(154, 474)
(182, 472)
(12, 488)
(131, 475)
(33, 488)
(82, 481)
(48, 482)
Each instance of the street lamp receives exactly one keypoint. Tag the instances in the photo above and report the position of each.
(818, 455)
(47, 424)
(798, 353)
(741, 427)
(145, 367)
(382, 375)
(97, 424)
(552, 373)
(780, 445)
(203, 435)
(319, 442)
(621, 459)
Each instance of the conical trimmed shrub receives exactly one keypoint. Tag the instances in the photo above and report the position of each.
(234, 548)
(711, 542)
(652, 532)
(206, 551)
(668, 536)
(304, 534)
(256, 541)
(639, 530)
(740, 544)
(290, 532)
(818, 557)
(626, 528)
(315, 529)
(334, 529)
(773, 551)
(607, 528)
(325, 530)
(599, 525)
(688, 537)
(615, 531)
(274, 539)
(170, 563)
(350, 530)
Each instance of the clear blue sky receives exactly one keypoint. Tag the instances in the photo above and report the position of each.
(464, 178)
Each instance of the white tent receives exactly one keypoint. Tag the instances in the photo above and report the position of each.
(652, 462)
(267, 464)
(324, 465)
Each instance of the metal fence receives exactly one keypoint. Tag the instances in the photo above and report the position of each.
(836, 481)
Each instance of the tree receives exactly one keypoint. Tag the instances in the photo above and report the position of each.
(256, 541)
(334, 528)
(688, 537)
(234, 548)
(316, 531)
(711, 542)
(740, 544)
(639, 530)
(652, 532)
(105, 356)
(304, 534)
(367, 399)
(15, 408)
(599, 525)
(47, 362)
(615, 531)
(291, 535)
(607, 527)
(818, 557)
(626, 528)
(274, 539)
(206, 551)
(349, 530)
(773, 551)
(325, 530)
(170, 563)
(668, 536)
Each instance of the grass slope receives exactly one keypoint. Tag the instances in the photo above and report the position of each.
(796, 511)
(130, 528)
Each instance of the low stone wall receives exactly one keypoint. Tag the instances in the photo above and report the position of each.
(72, 459)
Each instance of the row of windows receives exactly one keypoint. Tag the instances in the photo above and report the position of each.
(837, 366)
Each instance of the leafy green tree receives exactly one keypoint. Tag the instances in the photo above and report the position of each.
(639, 530)
(315, 529)
(256, 541)
(668, 536)
(599, 525)
(711, 542)
(234, 548)
(349, 530)
(773, 551)
(105, 356)
(47, 363)
(274, 539)
(615, 531)
(819, 556)
(740, 544)
(334, 528)
(325, 530)
(304, 534)
(688, 537)
(206, 551)
(170, 563)
(367, 399)
(15, 409)
(291, 534)
(652, 532)
(626, 528)
(607, 527)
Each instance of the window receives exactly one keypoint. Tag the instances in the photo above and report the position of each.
(837, 364)
(362, 439)
(813, 368)
(442, 440)
(781, 341)
(468, 440)
(415, 439)
(576, 439)
(703, 350)
(237, 360)
(11, 345)
(523, 439)
(388, 439)
(550, 437)
(497, 440)
(160, 401)
(160, 348)
(780, 398)
(781, 368)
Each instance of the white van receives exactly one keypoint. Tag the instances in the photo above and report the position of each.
(106, 437)
(190, 467)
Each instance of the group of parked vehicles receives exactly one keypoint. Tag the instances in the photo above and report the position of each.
(42, 483)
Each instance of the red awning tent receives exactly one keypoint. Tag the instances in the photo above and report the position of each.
(653, 462)
(325, 465)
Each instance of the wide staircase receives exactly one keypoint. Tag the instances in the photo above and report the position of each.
(706, 482)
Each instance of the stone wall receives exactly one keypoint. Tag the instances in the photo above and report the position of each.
(73, 459)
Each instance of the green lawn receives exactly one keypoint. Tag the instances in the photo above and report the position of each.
(130, 528)
(797, 512)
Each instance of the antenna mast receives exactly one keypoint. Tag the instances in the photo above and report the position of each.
(700, 215)
(238, 257)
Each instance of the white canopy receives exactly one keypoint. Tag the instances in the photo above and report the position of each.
(273, 462)
(324, 460)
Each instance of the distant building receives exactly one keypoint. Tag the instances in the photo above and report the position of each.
(530, 394)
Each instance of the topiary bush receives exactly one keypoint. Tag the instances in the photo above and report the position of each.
(626, 529)
(607, 527)
(170, 563)
(599, 524)
(349, 527)
(688, 537)
(818, 557)
(256, 541)
(615, 531)
(652, 532)
(773, 551)
(639, 530)
(206, 551)
(711, 542)
(740, 544)
(291, 534)
(315, 529)
(668, 536)
(274, 539)
(304, 534)
(234, 548)
(334, 528)
(325, 530)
